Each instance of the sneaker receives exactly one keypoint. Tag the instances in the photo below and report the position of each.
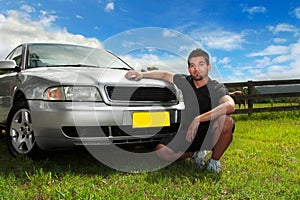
(214, 165)
(199, 159)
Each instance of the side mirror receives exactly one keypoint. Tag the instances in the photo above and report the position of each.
(8, 65)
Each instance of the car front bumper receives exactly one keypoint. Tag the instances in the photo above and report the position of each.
(60, 125)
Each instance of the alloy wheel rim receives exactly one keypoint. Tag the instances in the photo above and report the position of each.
(21, 132)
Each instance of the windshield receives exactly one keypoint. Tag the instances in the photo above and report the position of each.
(54, 55)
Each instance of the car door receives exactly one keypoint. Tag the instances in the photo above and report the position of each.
(8, 80)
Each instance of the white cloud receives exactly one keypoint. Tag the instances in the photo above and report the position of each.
(279, 40)
(260, 63)
(2, 19)
(224, 40)
(184, 48)
(253, 10)
(18, 27)
(130, 44)
(276, 68)
(297, 12)
(213, 59)
(271, 50)
(283, 27)
(281, 59)
(172, 64)
(168, 33)
(27, 8)
(238, 73)
(254, 72)
(295, 49)
(227, 67)
(79, 17)
(294, 68)
(109, 7)
(46, 19)
(224, 60)
(284, 66)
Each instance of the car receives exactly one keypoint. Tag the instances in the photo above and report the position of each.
(57, 96)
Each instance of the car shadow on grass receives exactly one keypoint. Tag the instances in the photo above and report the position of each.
(75, 161)
(80, 161)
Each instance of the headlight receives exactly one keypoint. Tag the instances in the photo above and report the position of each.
(72, 93)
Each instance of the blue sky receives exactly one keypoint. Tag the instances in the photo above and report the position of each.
(247, 40)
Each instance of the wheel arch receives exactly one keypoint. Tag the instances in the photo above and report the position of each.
(17, 98)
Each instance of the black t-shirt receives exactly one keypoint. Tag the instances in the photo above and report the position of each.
(198, 100)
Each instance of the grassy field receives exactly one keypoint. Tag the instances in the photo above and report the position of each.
(263, 162)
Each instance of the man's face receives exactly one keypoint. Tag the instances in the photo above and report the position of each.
(198, 68)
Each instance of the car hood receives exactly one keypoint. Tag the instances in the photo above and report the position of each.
(87, 76)
(74, 75)
(39, 79)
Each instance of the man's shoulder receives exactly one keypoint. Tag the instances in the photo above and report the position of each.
(217, 86)
(215, 83)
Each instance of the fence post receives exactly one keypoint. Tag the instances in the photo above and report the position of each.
(251, 91)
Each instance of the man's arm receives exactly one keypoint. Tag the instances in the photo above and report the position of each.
(161, 75)
(226, 106)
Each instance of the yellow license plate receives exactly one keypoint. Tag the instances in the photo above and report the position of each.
(150, 119)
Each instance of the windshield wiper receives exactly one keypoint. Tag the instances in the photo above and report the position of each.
(120, 68)
(73, 65)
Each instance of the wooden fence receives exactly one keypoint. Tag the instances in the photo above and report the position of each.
(251, 95)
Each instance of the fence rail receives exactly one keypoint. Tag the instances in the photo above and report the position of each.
(251, 95)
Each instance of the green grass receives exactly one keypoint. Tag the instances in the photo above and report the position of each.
(263, 162)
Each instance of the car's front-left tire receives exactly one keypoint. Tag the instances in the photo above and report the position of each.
(20, 134)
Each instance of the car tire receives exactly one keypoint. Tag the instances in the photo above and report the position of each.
(20, 135)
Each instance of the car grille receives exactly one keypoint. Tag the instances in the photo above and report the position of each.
(141, 94)
(119, 134)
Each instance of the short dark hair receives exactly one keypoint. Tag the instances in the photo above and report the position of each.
(199, 53)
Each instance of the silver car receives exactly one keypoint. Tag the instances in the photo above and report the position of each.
(56, 96)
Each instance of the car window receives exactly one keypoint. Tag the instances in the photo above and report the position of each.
(16, 55)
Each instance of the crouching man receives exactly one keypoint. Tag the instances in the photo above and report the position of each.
(210, 127)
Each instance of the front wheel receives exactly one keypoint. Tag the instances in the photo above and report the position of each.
(20, 135)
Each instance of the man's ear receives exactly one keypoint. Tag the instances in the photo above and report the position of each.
(188, 67)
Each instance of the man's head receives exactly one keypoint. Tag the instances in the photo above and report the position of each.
(198, 64)
(199, 53)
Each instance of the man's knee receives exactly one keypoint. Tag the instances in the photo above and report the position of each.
(225, 124)
(229, 124)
